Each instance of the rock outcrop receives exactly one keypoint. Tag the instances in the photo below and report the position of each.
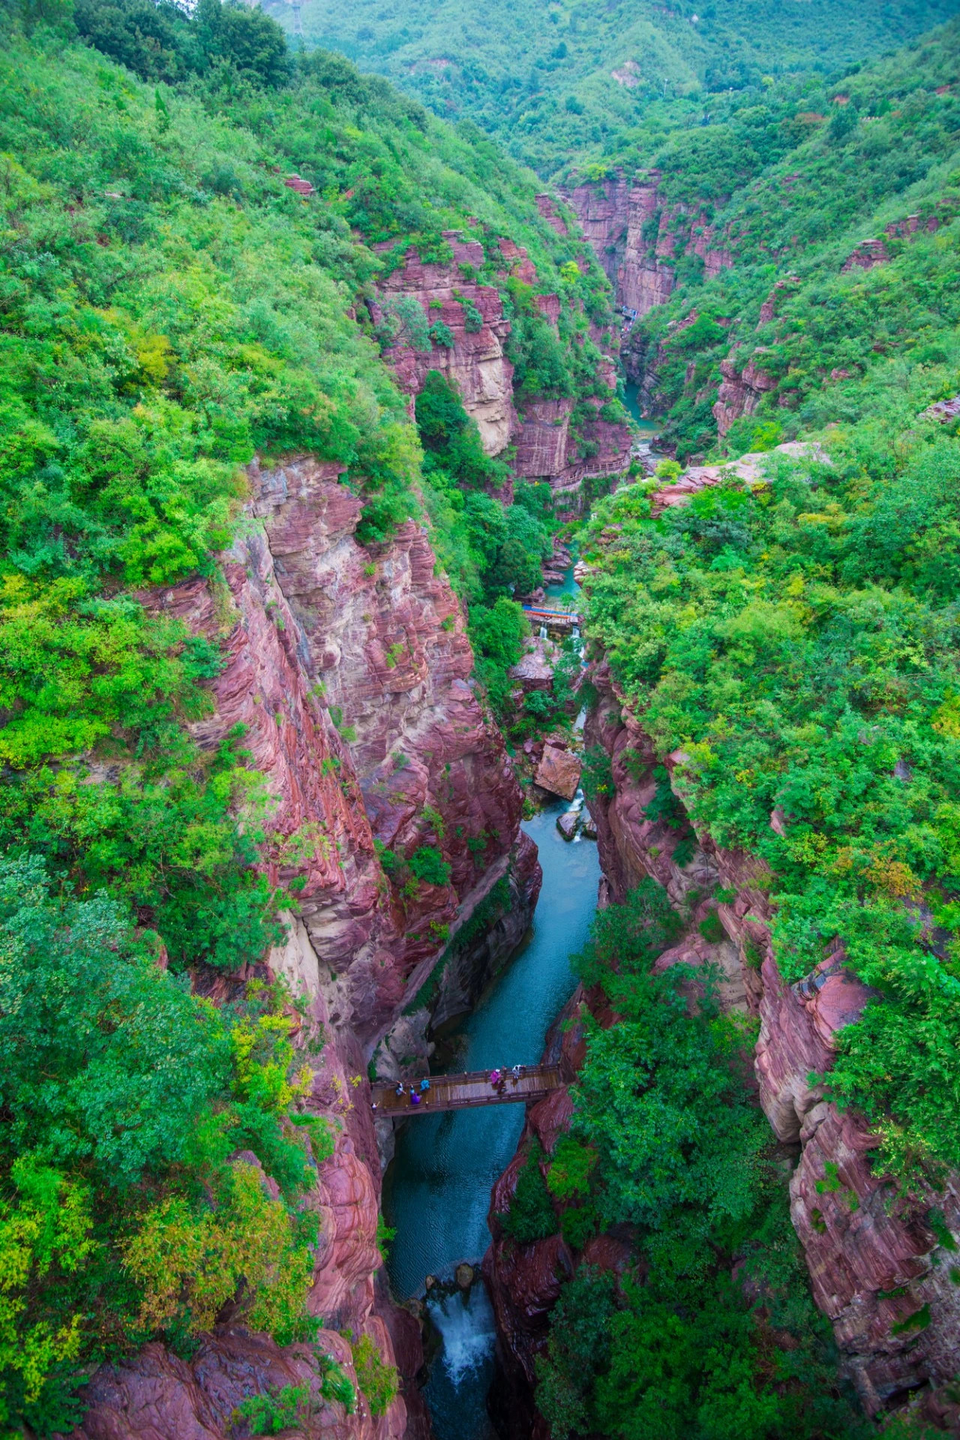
(558, 771)
(740, 391)
(878, 1270)
(348, 669)
(637, 235)
(470, 349)
(473, 316)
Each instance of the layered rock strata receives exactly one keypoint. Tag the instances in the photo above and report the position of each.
(877, 1269)
(471, 350)
(638, 234)
(348, 669)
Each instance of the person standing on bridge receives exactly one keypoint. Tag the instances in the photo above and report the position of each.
(399, 1089)
(414, 1097)
(494, 1078)
(425, 1083)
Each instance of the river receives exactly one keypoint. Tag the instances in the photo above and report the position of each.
(437, 1190)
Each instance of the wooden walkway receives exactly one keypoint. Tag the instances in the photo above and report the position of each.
(462, 1092)
(552, 619)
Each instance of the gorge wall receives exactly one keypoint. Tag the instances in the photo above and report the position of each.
(880, 1271)
(319, 630)
(638, 236)
(544, 443)
(875, 1264)
(348, 668)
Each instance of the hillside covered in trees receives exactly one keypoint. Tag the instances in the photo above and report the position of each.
(171, 308)
(206, 238)
(567, 86)
(777, 636)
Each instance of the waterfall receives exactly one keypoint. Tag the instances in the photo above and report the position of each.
(466, 1322)
(543, 632)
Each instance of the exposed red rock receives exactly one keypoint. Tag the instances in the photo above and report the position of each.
(634, 230)
(558, 771)
(348, 669)
(740, 391)
(548, 210)
(865, 256)
(859, 1246)
(476, 362)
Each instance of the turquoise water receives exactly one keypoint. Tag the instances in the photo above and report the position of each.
(438, 1189)
(568, 586)
(649, 429)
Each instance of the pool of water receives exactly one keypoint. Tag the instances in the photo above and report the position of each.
(437, 1191)
(649, 429)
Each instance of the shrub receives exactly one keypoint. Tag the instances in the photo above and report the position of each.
(429, 866)
(378, 1382)
(531, 1215)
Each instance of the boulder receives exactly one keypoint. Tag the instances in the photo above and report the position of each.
(567, 824)
(558, 771)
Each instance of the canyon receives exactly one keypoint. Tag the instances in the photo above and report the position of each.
(638, 235)
(349, 669)
(879, 1259)
(310, 392)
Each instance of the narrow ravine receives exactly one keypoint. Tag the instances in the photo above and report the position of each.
(438, 1188)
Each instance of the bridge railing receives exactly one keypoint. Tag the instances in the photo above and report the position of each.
(468, 1090)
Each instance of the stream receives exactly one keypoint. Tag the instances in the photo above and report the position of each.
(437, 1191)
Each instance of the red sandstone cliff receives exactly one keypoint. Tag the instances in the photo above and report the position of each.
(637, 235)
(873, 1261)
(539, 429)
(349, 669)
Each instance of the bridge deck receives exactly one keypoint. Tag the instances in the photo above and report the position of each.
(461, 1092)
(544, 613)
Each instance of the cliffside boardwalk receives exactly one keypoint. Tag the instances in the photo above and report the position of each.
(461, 1092)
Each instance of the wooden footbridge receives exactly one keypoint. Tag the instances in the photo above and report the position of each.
(466, 1092)
(563, 620)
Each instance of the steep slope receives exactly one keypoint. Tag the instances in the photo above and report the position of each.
(772, 749)
(775, 295)
(252, 789)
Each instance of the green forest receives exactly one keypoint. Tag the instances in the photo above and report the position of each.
(170, 309)
(569, 87)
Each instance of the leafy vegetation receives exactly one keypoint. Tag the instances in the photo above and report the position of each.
(796, 640)
(574, 87)
(124, 1097)
(711, 1331)
(791, 186)
(169, 308)
(377, 1381)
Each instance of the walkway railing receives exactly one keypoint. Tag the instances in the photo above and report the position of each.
(462, 1092)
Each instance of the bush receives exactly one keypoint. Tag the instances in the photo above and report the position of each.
(531, 1215)
(378, 1382)
(429, 866)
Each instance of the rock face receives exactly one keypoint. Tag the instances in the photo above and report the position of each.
(476, 361)
(636, 234)
(558, 771)
(877, 1269)
(546, 447)
(740, 392)
(349, 670)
